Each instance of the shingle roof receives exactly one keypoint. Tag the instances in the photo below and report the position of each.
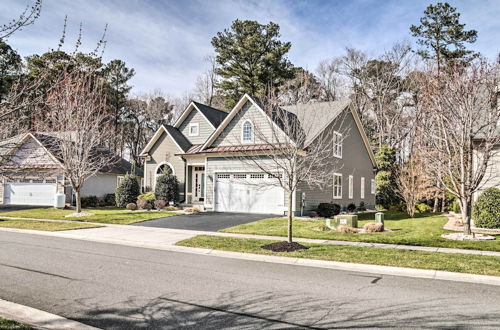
(178, 137)
(215, 116)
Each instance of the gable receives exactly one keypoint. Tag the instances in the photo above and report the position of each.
(31, 154)
(205, 129)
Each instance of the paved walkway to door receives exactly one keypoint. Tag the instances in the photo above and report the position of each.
(207, 221)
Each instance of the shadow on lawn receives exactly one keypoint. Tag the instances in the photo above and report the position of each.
(395, 216)
(270, 310)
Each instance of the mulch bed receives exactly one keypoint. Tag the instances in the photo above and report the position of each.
(284, 247)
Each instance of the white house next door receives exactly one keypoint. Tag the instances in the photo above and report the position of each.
(248, 193)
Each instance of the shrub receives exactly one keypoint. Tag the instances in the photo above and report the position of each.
(191, 210)
(147, 206)
(90, 201)
(167, 188)
(486, 211)
(127, 191)
(346, 229)
(361, 206)
(328, 210)
(109, 200)
(149, 196)
(455, 207)
(171, 208)
(373, 227)
(131, 206)
(313, 214)
(351, 207)
(142, 204)
(422, 208)
(379, 207)
(401, 207)
(159, 204)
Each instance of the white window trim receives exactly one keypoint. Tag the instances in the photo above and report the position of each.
(335, 135)
(351, 187)
(337, 175)
(197, 125)
(362, 187)
(373, 186)
(156, 171)
(252, 135)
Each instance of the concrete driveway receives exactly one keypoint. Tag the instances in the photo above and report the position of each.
(209, 221)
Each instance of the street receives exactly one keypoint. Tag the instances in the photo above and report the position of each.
(120, 287)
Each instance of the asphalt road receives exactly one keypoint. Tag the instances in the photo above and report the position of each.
(119, 287)
(205, 221)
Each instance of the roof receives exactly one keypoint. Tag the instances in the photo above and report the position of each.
(215, 116)
(255, 147)
(178, 137)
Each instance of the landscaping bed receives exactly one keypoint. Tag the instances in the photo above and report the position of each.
(423, 230)
(44, 225)
(100, 215)
(462, 263)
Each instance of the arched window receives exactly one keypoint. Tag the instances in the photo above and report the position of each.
(247, 132)
(164, 168)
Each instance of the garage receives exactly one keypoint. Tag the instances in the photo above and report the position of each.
(30, 192)
(248, 193)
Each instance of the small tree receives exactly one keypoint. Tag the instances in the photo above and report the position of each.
(167, 188)
(386, 189)
(127, 191)
(486, 213)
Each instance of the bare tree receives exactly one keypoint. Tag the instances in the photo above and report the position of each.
(27, 17)
(297, 151)
(331, 79)
(205, 89)
(80, 128)
(465, 103)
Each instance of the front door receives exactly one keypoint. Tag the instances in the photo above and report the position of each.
(199, 184)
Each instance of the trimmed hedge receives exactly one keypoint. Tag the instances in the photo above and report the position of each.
(127, 191)
(328, 210)
(167, 188)
(486, 211)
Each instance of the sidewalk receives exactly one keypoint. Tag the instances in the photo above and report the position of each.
(144, 236)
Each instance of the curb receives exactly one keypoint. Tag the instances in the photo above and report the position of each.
(345, 266)
(37, 318)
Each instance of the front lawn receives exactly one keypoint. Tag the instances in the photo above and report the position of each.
(9, 324)
(424, 230)
(44, 225)
(100, 215)
(462, 263)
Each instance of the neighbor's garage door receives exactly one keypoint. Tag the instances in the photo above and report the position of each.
(30, 193)
(248, 193)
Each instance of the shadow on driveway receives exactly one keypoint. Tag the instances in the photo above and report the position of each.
(209, 221)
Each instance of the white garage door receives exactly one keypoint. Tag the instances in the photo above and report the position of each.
(248, 193)
(29, 193)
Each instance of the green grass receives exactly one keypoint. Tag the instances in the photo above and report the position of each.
(11, 325)
(100, 215)
(424, 230)
(462, 263)
(44, 225)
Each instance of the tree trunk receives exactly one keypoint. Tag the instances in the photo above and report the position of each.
(466, 214)
(443, 203)
(290, 217)
(436, 202)
(78, 201)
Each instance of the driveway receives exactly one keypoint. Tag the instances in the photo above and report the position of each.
(208, 221)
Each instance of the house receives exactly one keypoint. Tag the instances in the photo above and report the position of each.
(203, 150)
(32, 175)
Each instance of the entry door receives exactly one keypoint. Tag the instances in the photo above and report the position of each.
(199, 183)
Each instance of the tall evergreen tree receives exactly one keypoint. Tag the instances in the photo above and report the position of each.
(443, 37)
(251, 60)
(10, 66)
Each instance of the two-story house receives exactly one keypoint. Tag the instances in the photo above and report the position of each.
(203, 150)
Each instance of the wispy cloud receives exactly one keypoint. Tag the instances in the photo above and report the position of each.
(166, 41)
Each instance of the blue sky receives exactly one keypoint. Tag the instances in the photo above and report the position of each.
(166, 41)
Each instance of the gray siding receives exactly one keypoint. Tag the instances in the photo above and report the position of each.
(205, 129)
(492, 175)
(164, 150)
(355, 161)
(263, 131)
(99, 185)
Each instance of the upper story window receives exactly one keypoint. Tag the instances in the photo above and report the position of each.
(194, 129)
(247, 132)
(337, 144)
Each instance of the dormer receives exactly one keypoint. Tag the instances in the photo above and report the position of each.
(199, 121)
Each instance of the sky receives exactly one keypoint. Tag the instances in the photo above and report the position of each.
(167, 41)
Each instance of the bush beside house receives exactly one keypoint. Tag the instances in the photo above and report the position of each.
(486, 212)
(127, 191)
(167, 188)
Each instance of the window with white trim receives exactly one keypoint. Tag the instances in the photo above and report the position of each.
(362, 188)
(247, 131)
(194, 129)
(337, 144)
(373, 187)
(337, 186)
(351, 188)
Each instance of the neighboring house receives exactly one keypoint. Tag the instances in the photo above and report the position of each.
(203, 149)
(491, 177)
(32, 173)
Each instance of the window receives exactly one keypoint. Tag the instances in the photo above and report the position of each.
(362, 188)
(240, 176)
(337, 144)
(119, 179)
(164, 169)
(194, 129)
(247, 132)
(337, 186)
(351, 188)
(223, 176)
(373, 187)
(257, 176)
